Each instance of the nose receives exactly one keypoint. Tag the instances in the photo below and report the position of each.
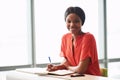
(72, 24)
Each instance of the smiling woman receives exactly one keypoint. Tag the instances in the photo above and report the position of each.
(78, 48)
(50, 26)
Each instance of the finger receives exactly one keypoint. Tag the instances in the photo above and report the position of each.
(49, 65)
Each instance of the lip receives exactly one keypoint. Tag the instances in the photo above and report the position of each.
(72, 29)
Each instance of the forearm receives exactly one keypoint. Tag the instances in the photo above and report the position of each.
(81, 67)
(76, 69)
(61, 66)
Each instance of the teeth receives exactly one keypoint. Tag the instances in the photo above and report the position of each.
(72, 28)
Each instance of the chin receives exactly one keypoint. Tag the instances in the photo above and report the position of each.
(73, 31)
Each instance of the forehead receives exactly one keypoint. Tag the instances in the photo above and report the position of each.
(72, 16)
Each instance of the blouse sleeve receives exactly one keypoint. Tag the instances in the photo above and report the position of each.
(89, 48)
(62, 52)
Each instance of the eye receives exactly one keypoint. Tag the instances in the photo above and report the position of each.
(77, 21)
(68, 21)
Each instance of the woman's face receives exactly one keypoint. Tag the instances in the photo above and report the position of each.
(73, 23)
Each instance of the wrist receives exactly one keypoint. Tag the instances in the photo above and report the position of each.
(62, 67)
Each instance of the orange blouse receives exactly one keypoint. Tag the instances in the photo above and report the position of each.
(85, 46)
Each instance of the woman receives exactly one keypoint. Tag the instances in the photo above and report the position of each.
(78, 48)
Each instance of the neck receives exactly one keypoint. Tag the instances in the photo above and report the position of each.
(75, 35)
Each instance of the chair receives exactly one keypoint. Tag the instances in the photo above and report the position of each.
(104, 72)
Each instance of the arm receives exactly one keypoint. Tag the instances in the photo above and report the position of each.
(51, 67)
(81, 67)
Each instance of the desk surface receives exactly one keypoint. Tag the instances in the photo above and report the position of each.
(14, 75)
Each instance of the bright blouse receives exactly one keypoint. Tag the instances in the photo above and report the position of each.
(85, 46)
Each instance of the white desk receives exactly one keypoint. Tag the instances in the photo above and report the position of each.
(14, 75)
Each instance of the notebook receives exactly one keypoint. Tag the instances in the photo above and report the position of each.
(43, 71)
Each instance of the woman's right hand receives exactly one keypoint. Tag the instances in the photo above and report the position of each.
(51, 67)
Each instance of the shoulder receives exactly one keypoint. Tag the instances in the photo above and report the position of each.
(67, 35)
(88, 35)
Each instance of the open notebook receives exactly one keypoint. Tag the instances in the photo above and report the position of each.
(43, 71)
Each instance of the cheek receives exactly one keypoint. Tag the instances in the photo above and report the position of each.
(67, 25)
(79, 25)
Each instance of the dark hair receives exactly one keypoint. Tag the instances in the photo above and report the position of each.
(77, 10)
